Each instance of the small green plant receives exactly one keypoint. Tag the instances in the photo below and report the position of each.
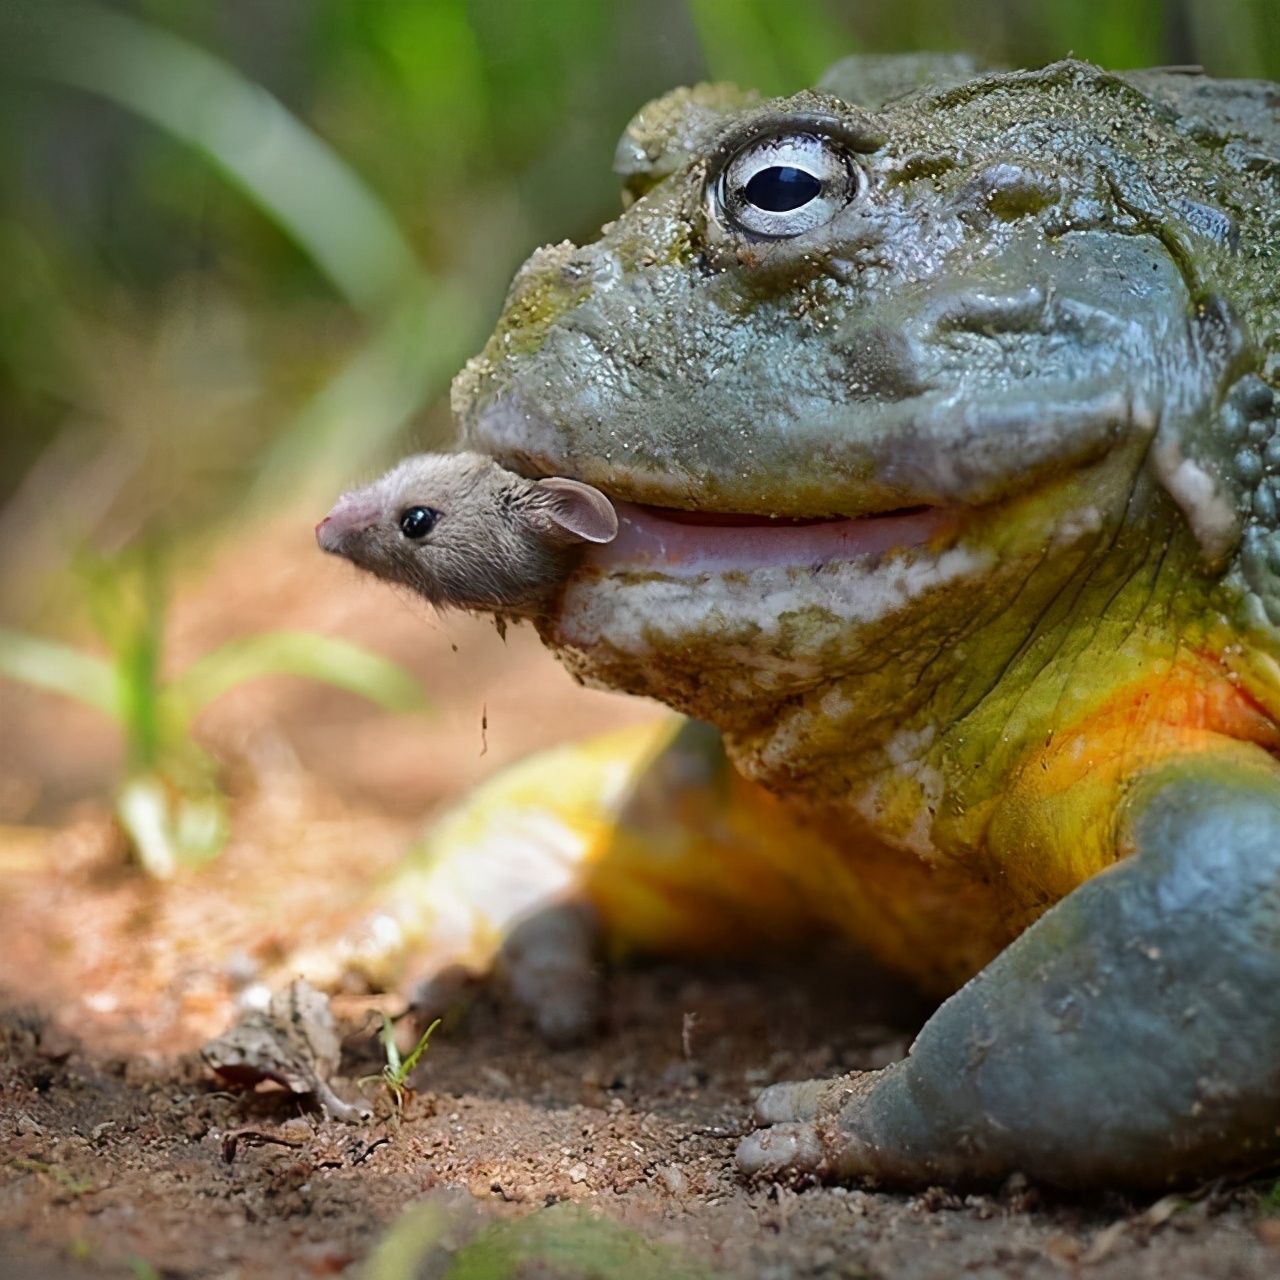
(66, 1180)
(561, 1240)
(1271, 1201)
(170, 804)
(396, 1070)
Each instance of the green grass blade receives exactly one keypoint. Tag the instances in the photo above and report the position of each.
(418, 1050)
(58, 668)
(388, 1037)
(287, 170)
(759, 44)
(405, 364)
(562, 1240)
(296, 653)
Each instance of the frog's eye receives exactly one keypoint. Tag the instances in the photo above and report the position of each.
(417, 522)
(787, 185)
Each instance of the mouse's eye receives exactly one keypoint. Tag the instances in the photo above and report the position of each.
(417, 522)
(780, 187)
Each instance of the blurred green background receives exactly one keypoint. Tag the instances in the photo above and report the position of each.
(244, 244)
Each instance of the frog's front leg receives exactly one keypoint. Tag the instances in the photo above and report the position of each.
(1131, 1036)
(644, 840)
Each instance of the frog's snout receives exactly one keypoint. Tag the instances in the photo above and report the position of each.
(991, 312)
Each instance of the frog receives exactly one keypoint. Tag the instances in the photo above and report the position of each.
(940, 410)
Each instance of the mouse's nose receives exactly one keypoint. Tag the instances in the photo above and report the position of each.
(329, 534)
(352, 514)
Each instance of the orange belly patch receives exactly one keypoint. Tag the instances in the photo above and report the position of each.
(1058, 824)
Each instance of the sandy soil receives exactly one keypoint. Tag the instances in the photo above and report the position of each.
(120, 1155)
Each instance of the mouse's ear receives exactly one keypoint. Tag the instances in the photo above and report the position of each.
(578, 512)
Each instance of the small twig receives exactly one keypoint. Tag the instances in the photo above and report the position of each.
(255, 1137)
(688, 1024)
(712, 1131)
(370, 1149)
(335, 1106)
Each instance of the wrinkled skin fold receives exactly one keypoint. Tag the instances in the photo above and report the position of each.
(953, 514)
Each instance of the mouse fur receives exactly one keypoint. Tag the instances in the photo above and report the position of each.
(464, 533)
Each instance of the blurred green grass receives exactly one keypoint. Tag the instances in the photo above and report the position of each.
(244, 254)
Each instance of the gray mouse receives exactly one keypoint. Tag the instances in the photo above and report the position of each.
(464, 533)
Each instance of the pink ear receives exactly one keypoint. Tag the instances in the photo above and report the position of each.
(579, 512)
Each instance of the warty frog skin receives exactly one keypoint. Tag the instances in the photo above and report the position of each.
(939, 410)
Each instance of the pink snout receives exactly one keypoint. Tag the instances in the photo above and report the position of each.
(349, 515)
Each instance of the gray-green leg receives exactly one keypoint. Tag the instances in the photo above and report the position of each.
(1131, 1037)
(549, 965)
(552, 964)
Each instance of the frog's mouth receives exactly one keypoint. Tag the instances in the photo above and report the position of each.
(682, 543)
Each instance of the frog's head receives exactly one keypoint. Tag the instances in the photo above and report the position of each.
(873, 374)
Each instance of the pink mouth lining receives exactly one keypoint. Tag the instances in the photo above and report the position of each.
(686, 543)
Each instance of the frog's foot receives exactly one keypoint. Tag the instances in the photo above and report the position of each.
(551, 963)
(1130, 1037)
(498, 887)
(796, 1139)
(548, 964)
(639, 840)
(811, 1129)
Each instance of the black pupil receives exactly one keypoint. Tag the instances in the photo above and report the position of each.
(782, 188)
(417, 522)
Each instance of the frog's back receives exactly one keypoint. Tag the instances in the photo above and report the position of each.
(1240, 115)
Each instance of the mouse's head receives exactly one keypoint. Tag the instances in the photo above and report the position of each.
(463, 532)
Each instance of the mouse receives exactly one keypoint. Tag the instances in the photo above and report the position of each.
(465, 533)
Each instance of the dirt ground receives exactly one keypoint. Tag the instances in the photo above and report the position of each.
(120, 1155)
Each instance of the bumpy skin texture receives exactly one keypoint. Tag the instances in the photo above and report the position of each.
(1011, 721)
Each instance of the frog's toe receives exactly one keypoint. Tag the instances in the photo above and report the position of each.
(785, 1151)
(810, 1129)
(796, 1100)
(550, 960)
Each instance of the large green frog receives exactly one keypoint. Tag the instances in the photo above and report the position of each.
(939, 410)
